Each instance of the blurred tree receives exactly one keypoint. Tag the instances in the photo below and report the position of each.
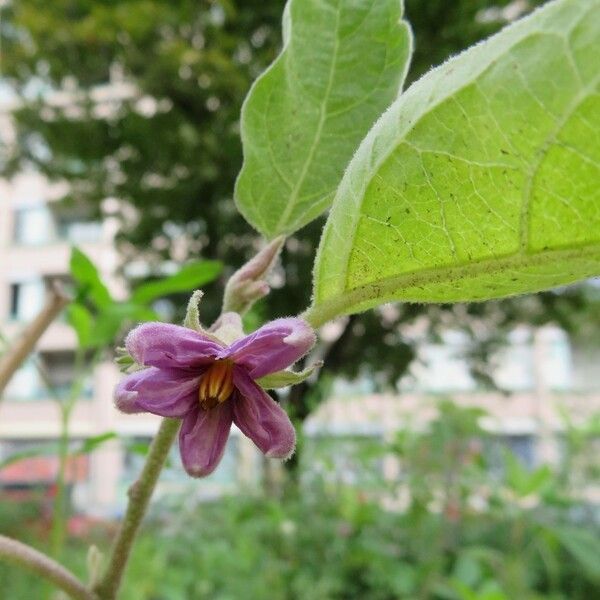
(139, 100)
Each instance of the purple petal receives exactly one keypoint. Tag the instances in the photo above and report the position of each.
(171, 346)
(273, 347)
(164, 392)
(124, 397)
(261, 419)
(203, 437)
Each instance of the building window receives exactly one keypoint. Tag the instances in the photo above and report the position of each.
(59, 370)
(25, 384)
(76, 230)
(45, 224)
(33, 226)
(26, 299)
(521, 446)
(49, 375)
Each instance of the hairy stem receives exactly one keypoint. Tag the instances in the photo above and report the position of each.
(15, 356)
(139, 497)
(30, 558)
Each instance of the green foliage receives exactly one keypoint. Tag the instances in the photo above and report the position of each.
(335, 543)
(447, 528)
(94, 315)
(481, 181)
(82, 321)
(523, 481)
(87, 279)
(584, 545)
(190, 276)
(174, 132)
(98, 319)
(341, 66)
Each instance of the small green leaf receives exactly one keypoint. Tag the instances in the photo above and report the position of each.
(94, 442)
(87, 446)
(522, 481)
(42, 450)
(111, 321)
(187, 278)
(343, 63)
(481, 181)
(80, 319)
(86, 276)
(125, 361)
(285, 378)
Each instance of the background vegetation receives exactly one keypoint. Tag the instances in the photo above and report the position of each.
(466, 521)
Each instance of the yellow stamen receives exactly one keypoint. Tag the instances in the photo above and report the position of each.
(216, 384)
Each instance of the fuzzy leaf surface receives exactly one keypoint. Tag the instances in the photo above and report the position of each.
(342, 64)
(481, 181)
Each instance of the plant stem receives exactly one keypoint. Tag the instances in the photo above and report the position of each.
(59, 516)
(139, 497)
(30, 558)
(16, 355)
(317, 316)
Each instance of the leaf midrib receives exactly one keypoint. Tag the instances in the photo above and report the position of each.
(390, 286)
(290, 205)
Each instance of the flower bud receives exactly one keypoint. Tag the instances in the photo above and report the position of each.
(247, 284)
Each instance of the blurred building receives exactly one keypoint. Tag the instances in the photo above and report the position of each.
(35, 241)
(36, 235)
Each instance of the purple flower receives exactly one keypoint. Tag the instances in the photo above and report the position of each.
(210, 385)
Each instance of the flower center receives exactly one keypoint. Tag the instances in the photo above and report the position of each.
(216, 384)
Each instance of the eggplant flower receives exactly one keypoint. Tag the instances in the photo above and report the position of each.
(209, 383)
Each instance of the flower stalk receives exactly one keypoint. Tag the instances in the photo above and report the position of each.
(139, 498)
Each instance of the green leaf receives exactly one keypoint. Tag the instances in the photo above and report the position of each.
(286, 378)
(481, 181)
(343, 63)
(583, 545)
(43, 450)
(86, 276)
(92, 443)
(80, 319)
(522, 481)
(112, 321)
(189, 277)
(85, 447)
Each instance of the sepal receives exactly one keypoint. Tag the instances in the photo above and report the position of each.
(287, 377)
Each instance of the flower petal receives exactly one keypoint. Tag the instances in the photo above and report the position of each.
(273, 347)
(124, 396)
(261, 419)
(164, 392)
(171, 346)
(203, 437)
